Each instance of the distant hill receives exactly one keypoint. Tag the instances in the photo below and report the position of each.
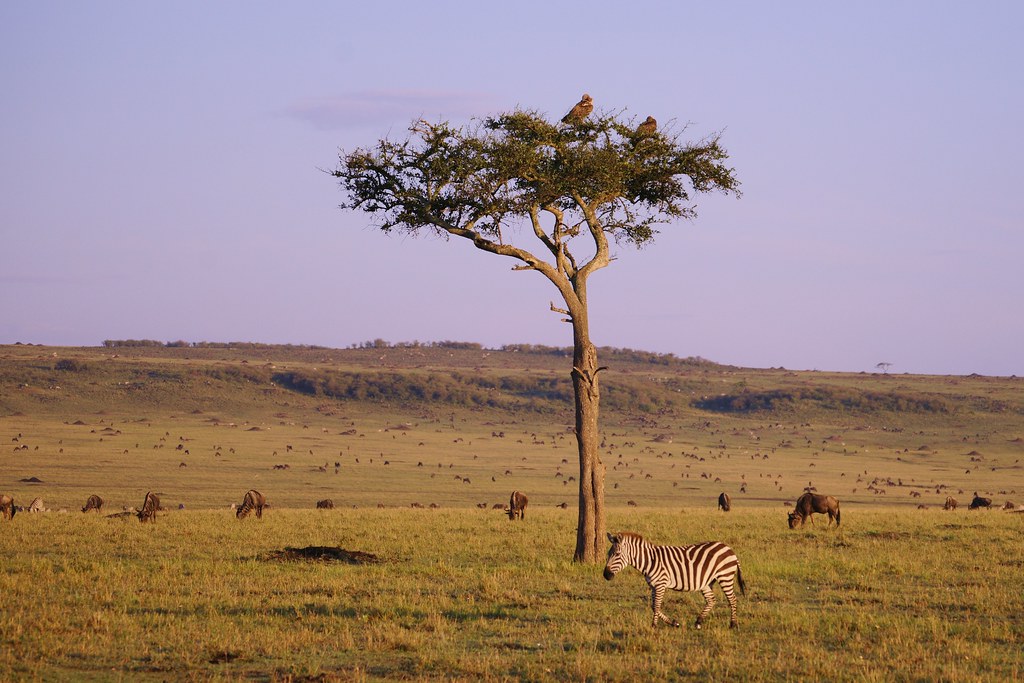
(514, 378)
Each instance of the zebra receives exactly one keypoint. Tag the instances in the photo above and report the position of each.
(689, 568)
(253, 500)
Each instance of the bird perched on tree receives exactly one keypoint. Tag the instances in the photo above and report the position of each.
(580, 111)
(648, 127)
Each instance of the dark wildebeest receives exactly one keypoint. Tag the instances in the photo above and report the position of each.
(950, 503)
(253, 500)
(724, 504)
(979, 502)
(517, 505)
(325, 504)
(810, 503)
(6, 506)
(149, 508)
(93, 504)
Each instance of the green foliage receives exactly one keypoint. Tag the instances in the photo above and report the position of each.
(543, 394)
(131, 343)
(181, 344)
(610, 353)
(824, 398)
(488, 177)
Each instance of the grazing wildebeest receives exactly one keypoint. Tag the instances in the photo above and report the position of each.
(325, 504)
(979, 502)
(810, 503)
(93, 504)
(950, 503)
(6, 506)
(682, 568)
(517, 505)
(253, 500)
(724, 503)
(149, 508)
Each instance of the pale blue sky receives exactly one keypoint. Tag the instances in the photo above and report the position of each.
(160, 177)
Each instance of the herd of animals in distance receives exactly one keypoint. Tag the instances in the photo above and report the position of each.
(694, 568)
(689, 567)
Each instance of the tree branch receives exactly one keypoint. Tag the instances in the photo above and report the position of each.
(562, 311)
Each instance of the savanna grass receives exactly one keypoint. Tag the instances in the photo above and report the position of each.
(467, 595)
(460, 593)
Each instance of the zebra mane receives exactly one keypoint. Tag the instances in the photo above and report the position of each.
(630, 534)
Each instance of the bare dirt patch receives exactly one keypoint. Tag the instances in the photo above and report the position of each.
(321, 553)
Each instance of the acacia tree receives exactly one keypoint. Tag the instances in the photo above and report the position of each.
(572, 187)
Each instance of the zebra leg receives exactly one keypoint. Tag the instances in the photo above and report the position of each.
(709, 602)
(730, 595)
(657, 594)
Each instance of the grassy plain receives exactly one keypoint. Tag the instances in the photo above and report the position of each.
(464, 594)
(898, 593)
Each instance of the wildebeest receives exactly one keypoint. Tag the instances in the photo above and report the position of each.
(1009, 505)
(517, 505)
(979, 502)
(253, 500)
(950, 503)
(724, 503)
(325, 504)
(810, 503)
(6, 506)
(149, 508)
(93, 504)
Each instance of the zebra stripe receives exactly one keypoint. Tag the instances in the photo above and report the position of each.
(682, 568)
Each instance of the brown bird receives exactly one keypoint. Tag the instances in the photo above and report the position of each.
(580, 111)
(648, 127)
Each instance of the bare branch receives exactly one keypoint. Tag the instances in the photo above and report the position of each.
(558, 310)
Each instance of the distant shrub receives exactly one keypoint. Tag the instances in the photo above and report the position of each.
(70, 365)
(828, 398)
(254, 375)
(542, 394)
(115, 343)
(609, 353)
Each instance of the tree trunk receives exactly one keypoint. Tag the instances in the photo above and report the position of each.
(591, 530)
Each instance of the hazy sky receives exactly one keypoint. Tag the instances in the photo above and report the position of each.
(161, 175)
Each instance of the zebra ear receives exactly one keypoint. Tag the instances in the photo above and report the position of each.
(612, 539)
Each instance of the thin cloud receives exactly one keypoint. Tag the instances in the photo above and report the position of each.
(375, 107)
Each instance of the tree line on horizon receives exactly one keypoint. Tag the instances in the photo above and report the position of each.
(635, 355)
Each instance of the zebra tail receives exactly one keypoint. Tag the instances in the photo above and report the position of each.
(739, 579)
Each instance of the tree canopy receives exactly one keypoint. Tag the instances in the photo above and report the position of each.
(601, 177)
